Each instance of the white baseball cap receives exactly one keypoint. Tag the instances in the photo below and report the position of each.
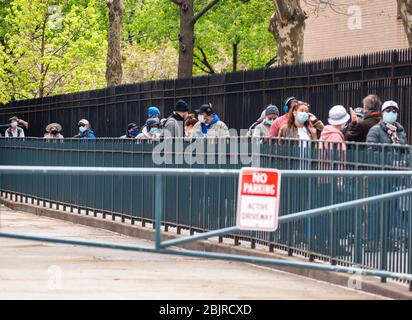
(389, 104)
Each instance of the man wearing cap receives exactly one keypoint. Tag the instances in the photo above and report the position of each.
(132, 131)
(53, 131)
(271, 114)
(358, 130)
(279, 122)
(173, 127)
(388, 131)
(14, 131)
(209, 124)
(23, 125)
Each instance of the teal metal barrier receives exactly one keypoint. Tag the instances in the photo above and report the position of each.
(374, 235)
(161, 247)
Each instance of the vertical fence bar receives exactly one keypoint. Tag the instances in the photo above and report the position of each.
(158, 207)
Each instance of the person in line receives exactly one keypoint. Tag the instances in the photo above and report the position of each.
(256, 123)
(174, 125)
(53, 131)
(85, 131)
(14, 131)
(298, 125)
(289, 103)
(189, 124)
(359, 114)
(271, 114)
(152, 130)
(358, 130)
(388, 131)
(209, 124)
(132, 131)
(24, 125)
(332, 139)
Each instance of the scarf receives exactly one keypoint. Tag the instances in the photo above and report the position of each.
(206, 126)
(392, 131)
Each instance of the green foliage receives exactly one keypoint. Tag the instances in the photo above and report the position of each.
(45, 52)
(241, 22)
(52, 48)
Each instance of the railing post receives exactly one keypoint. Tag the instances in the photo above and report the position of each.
(410, 239)
(358, 229)
(158, 207)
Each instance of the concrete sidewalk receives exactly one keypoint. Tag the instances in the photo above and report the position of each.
(46, 271)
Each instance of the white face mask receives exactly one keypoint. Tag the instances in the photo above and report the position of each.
(14, 124)
(201, 118)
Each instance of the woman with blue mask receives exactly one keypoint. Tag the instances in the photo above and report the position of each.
(389, 130)
(299, 126)
(262, 130)
(152, 130)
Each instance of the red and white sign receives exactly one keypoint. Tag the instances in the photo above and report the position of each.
(258, 199)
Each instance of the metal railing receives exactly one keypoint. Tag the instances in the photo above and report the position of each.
(311, 226)
(370, 235)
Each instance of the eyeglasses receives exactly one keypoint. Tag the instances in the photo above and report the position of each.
(391, 109)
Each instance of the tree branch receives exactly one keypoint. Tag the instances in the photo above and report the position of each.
(204, 61)
(209, 6)
(178, 2)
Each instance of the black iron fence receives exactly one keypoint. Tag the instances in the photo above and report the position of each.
(237, 97)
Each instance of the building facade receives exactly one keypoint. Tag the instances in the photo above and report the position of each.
(349, 27)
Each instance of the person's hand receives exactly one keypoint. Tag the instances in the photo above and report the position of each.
(353, 115)
(23, 123)
(312, 117)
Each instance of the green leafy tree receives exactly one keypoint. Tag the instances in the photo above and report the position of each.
(53, 47)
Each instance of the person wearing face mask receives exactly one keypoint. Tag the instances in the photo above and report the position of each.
(209, 124)
(271, 114)
(289, 104)
(132, 131)
(53, 131)
(85, 131)
(24, 125)
(174, 125)
(14, 131)
(298, 125)
(152, 130)
(388, 131)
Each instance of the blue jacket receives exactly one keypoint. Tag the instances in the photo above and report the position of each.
(86, 135)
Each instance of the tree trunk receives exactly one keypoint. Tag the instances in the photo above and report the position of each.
(405, 13)
(186, 40)
(287, 25)
(114, 71)
(235, 55)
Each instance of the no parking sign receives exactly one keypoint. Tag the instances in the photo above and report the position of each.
(258, 199)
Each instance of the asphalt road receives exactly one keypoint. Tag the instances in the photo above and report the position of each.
(32, 270)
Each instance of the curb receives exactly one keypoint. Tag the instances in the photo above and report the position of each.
(369, 284)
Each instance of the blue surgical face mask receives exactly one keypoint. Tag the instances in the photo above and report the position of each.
(302, 117)
(82, 129)
(390, 117)
(134, 133)
(269, 121)
(153, 130)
